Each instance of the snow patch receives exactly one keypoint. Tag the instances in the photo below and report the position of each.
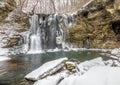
(116, 51)
(52, 80)
(96, 76)
(4, 58)
(85, 66)
(2, 4)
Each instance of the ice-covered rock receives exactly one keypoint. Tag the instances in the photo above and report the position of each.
(46, 69)
(96, 76)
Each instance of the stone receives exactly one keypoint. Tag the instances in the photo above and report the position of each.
(115, 51)
(46, 69)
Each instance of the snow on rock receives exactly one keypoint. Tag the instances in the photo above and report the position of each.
(114, 57)
(116, 51)
(96, 76)
(48, 81)
(116, 62)
(52, 80)
(46, 69)
(3, 54)
(3, 58)
(69, 80)
(109, 62)
(2, 4)
(3, 51)
(27, 10)
(85, 66)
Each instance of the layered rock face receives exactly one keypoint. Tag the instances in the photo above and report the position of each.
(6, 6)
(97, 27)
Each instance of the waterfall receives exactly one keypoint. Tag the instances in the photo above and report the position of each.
(35, 43)
(35, 35)
(48, 31)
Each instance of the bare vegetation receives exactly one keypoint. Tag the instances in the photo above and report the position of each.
(51, 6)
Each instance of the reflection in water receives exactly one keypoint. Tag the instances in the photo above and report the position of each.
(12, 72)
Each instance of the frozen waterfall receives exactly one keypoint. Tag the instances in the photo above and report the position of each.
(48, 31)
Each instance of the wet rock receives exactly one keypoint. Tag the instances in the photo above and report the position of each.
(71, 66)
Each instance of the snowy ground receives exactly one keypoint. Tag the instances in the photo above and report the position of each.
(95, 76)
(3, 54)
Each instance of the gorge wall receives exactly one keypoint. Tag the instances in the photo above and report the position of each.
(97, 27)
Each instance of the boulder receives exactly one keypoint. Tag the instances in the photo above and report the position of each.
(46, 69)
(115, 51)
(52, 80)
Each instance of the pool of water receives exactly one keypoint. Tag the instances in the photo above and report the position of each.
(12, 72)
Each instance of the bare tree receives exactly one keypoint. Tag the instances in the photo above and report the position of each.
(52, 6)
(34, 6)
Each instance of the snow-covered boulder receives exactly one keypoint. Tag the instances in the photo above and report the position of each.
(116, 51)
(85, 66)
(96, 76)
(46, 69)
(52, 80)
(48, 81)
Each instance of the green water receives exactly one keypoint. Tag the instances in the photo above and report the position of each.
(12, 72)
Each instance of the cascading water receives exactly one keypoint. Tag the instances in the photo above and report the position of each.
(48, 31)
(35, 35)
